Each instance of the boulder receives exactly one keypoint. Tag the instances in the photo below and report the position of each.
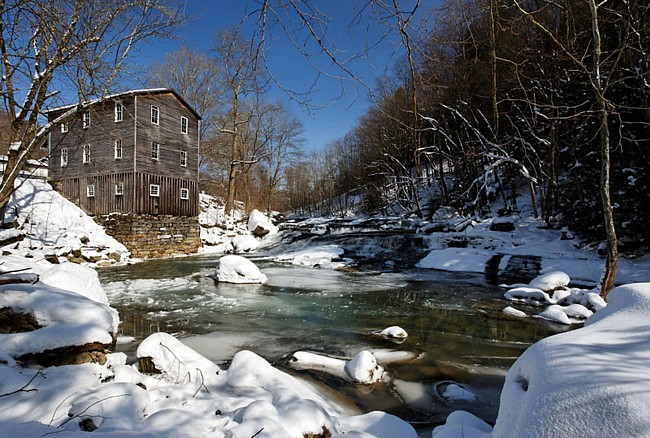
(237, 269)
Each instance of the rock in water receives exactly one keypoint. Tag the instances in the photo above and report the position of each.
(237, 269)
(363, 368)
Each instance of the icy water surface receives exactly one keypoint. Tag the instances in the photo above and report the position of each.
(454, 321)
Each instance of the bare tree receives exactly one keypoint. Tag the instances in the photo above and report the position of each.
(75, 45)
(243, 82)
(195, 75)
(283, 132)
(598, 72)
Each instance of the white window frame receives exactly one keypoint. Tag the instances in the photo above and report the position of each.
(183, 158)
(155, 114)
(90, 191)
(155, 151)
(185, 193)
(119, 189)
(119, 111)
(119, 152)
(154, 190)
(64, 128)
(184, 125)
(86, 154)
(64, 157)
(85, 119)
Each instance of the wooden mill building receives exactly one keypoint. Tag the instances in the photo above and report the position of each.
(134, 153)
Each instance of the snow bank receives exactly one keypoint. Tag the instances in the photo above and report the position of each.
(55, 226)
(237, 269)
(456, 259)
(76, 278)
(67, 319)
(594, 381)
(192, 397)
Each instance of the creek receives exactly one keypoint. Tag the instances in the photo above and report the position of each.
(454, 321)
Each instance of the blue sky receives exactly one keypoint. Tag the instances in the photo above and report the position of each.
(336, 105)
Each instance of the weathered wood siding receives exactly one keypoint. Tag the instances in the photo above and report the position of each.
(136, 169)
(169, 201)
(136, 197)
(101, 136)
(168, 134)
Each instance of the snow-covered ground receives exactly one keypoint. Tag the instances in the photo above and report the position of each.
(53, 228)
(593, 381)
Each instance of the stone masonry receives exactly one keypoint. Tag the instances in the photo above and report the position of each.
(151, 236)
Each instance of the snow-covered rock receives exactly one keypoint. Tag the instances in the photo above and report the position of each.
(528, 295)
(462, 424)
(363, 368)
(554, 313)
(259, 225)
(237, 269)
(394, 332)
(176, 362)
(66, 319)
(245, 243)
(75, 278)
(550, 281)
(514, 312)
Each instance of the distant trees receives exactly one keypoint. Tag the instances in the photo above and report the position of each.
(551, 94)
(74, 45)
(247, 141)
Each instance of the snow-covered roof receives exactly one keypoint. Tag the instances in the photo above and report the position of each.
(128, 94)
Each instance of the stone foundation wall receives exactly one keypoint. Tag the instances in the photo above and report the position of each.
(149, 236)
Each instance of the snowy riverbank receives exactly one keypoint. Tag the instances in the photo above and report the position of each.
(590, 381)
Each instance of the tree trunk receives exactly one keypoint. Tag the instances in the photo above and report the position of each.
(230, 199)
(611, 265)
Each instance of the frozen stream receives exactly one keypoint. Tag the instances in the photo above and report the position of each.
(454, 320)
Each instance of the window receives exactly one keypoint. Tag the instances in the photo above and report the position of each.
(155, 113)
(90, 190)
(118, 149)
(184, 158)
(119, 111)
(185, 193)
(155, 151)
(64, 128)
(64, 157)
(183, 125)
(86, 153)
(85, 118)
(154, 190)
(119, 189)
